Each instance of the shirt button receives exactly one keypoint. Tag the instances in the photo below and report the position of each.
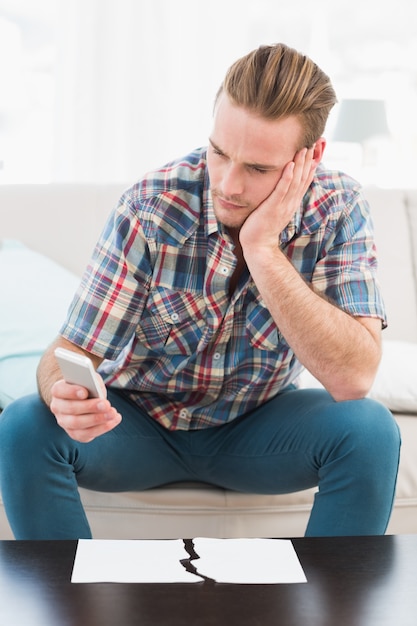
(216, 356)
(224, 270)
(183, 414)
(175, 317)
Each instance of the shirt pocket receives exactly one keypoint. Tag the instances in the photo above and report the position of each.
(261, 328)
(173, 322)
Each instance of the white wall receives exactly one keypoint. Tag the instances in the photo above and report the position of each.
(102, 90)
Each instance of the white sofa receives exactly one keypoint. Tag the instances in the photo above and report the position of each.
(62, 223)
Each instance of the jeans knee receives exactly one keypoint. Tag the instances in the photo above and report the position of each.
(363, 429)
(25, 424)
(376, 424)
(373, 435)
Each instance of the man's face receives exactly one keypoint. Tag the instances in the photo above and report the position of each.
(246, 157)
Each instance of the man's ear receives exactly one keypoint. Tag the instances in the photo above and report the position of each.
(319, 148)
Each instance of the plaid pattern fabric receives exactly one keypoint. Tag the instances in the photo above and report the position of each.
(154, 300)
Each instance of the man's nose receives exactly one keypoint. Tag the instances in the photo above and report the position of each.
(233, 183)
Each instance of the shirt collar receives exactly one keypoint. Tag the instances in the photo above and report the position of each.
(211, 224)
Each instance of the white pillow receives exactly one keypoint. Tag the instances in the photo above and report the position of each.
(35, 293)
(395, 384)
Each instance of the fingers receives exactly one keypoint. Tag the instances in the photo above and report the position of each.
(81, 417)
(308, 167)
(304, 168)
(281, 205)
(86, 433)
(297, 175)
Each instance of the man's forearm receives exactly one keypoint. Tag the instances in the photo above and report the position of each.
(47, 374)
(341, 351)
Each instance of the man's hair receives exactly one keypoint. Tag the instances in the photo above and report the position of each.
(277, 81)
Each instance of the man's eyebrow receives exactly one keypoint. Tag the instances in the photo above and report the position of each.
(216, 147)
(260, 166)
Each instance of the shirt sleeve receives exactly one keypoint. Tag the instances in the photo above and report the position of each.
(347, 270)
(109, 301)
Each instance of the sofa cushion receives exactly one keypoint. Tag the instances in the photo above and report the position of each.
(396, 381)
(35, 293)
(184, 510)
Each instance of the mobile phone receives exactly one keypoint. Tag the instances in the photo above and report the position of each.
(78, 369)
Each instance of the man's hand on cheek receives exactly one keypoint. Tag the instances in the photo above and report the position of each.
(264, 225)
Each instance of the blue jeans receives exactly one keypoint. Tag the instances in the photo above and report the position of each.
(299, 439)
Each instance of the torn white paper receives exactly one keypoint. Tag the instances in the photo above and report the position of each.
(131, 562)
(240, 561)
(251, 561)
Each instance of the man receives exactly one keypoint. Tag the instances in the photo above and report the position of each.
(216, 279)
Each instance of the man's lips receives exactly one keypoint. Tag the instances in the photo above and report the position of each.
(226, 204)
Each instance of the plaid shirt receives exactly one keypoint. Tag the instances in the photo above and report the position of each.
(154, 301)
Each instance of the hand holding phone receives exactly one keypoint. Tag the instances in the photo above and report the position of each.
(78, 369)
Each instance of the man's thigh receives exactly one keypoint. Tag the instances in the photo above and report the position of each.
(284, 445)
(138, 454)
(280, 447)
(268, 450)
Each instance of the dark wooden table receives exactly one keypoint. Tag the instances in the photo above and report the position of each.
(363, 581)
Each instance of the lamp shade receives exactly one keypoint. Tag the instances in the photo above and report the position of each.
(360, 120)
